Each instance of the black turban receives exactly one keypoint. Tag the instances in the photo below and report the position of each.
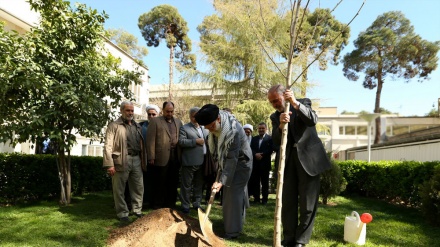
(207, 114)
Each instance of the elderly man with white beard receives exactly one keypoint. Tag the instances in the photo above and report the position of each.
(228, 145)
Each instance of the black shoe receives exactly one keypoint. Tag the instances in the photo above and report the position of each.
(124, 219)
(185, 210)
(139, 215)
(229, 237)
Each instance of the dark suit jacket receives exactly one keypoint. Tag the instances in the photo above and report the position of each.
(192, 154)
(266, 148)
(158, 140)
(302, 131)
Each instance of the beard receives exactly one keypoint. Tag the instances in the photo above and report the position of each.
(218, 130)
(128, 118)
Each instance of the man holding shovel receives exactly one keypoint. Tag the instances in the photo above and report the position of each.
(228, 145)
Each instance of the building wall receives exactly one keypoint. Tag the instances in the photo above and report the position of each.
(418, 151)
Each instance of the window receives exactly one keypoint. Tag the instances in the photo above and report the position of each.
(91, 150)
(362, 130)
(397, 130)
(353, 130)
(350, 130)
(324, 130)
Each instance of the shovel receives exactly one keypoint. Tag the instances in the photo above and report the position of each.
(205, 223)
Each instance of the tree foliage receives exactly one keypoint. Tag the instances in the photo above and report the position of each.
(320, 36)
(389, 48)
(237, 62)
(59, 82)
(127, 42)
(254, 112)
(246, 45)
(433, 113)
(164, 22)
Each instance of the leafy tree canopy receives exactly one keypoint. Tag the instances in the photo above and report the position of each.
(127, 42)
(389, 48)
(60, 81)
(246, 45)
(164, 22)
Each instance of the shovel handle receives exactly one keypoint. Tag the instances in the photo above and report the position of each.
(214, 191)
(211, 198)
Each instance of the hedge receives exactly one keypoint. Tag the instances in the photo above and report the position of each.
(34, 177)
(396, 181)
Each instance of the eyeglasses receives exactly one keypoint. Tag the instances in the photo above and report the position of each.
(152, 114)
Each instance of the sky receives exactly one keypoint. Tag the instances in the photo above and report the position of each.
(332, 88)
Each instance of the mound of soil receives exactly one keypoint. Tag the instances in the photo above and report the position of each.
(163, 227)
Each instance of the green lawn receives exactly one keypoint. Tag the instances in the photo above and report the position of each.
(88, 220)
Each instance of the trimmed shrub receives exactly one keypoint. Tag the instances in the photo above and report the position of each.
(35, 177)
(430, 197)
(332, 183)
(395, 181)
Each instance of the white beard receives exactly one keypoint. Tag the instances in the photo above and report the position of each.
(217, 130)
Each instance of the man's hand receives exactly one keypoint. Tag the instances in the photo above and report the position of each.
(259, 156)
(200, 141)
(111, 171)
(217, 186)
(288, 96)
(284, 118)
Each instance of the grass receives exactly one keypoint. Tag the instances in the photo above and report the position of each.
(88, 220)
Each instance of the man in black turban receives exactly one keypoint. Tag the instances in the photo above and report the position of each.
(228, 144)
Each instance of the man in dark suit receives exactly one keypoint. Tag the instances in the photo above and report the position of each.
(192, 141)
(306, 159)
(262, 148)
(163, 155)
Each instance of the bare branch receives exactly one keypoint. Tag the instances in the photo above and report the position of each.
(324, 48)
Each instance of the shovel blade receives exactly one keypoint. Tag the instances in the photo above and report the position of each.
(205, 225)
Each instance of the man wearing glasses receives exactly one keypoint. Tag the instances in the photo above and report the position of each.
(152, 111)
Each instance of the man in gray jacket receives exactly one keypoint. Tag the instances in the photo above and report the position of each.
(124, 159)
(192, 141)
(227, 144)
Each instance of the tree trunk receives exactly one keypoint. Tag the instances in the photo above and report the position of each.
(279, 195)
(63, 164)
(324, 200)
(377, 109)
(170, 89)
(281, 164)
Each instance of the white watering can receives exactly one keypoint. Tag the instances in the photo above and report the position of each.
(355, 230)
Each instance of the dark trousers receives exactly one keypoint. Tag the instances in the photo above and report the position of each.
(148, 186)
(300, 190)
(165, 180)
(260, 176)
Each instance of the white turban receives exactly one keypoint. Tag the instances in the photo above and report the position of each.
(248, 126)
(152, 107)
